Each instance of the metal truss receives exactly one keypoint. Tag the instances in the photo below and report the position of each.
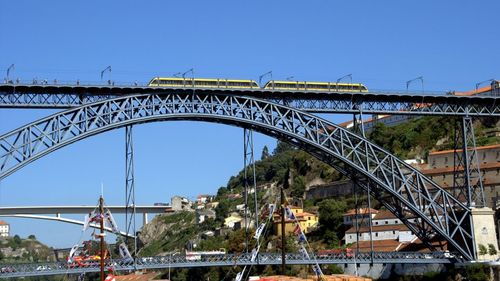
(249, 167)
(130, 210)
(66, 96)
(163, 262)
(427, 209)
(467, 179)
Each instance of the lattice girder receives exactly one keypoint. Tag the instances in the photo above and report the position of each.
(402, 189)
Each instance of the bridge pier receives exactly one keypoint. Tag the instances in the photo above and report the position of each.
(485, 232)
(145, 218)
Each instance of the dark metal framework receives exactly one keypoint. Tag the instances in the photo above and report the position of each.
(398, 186)
(60, 96)
(130, 211)
(179, 261)
(467, 178)
(358, 127)
(249, 173)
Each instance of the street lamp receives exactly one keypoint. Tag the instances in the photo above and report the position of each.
(421, 78)
(482, 82)
(108, 68)
(11, 67)
(169, 262)
(270, 73)
(341, 78)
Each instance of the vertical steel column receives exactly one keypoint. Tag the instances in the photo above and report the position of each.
(362, 129)
(249, 163)
(129, 186)
(467, 178)
(359, 128)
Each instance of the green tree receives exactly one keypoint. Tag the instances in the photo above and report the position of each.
(282, 147)
(482, 250)
(32, 236)
(492, 250)
(236, 241)
(265, 153)
(222, 209)
(17, 240)
(330, 219)
(298, 187)
(477, 272)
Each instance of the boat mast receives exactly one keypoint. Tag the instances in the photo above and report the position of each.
(101, 213)
(283, 241)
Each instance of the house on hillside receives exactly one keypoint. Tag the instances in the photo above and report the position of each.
(180, 203)
(232, 219)
(4, 229)
(204, 214)
(308, 221)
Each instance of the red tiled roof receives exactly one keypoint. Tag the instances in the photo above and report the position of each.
(460, 150)
(474, 92)
(137, 277)
(3, 223)
(450, 169)
(377, 228)
(384, 214)
(378, 245)
(361, 211)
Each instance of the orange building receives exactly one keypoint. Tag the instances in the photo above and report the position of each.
(307, 221)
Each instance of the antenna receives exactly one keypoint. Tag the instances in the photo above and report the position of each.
(102, 189)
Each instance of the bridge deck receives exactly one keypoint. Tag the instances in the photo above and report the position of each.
(415, 103)
(163, 262)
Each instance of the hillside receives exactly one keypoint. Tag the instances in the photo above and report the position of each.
(414, 139)
(15, 249)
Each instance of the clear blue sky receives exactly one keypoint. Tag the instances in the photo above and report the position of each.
(382, 43)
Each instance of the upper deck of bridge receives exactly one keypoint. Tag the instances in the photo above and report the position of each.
(127, 89)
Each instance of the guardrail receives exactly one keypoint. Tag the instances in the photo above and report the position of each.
(118, 84)
(180, 261)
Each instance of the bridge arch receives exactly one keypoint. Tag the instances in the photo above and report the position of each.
(399, 187)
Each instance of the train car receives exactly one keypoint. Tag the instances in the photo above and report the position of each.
(175, 82)
(315, 86)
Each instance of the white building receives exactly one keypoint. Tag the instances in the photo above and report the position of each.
(399, 232)
(4, 229)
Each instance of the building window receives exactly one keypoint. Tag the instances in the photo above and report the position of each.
(376, 234)
(386, 222)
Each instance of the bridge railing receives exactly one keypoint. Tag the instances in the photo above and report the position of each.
(180, 261)
(112, 83)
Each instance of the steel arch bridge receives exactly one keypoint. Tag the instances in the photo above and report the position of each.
(428, 210)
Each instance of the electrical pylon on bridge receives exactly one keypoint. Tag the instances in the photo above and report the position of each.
(402, 189)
